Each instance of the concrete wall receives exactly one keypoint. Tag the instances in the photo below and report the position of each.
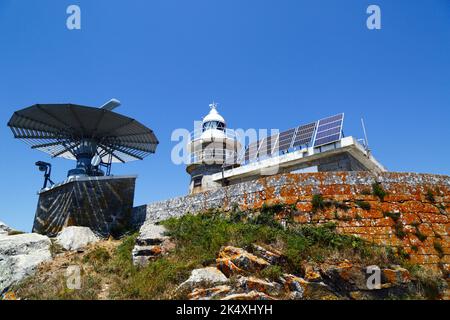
(406, 195)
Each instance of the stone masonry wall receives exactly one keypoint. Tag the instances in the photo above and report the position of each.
(406, 218)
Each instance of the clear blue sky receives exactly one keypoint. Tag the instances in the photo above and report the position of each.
(270, 64)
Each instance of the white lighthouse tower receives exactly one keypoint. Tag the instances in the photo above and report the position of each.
(212, 148)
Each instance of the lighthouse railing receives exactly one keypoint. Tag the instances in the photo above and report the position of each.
(214, 133)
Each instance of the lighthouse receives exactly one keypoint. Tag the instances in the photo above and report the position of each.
(212, 148)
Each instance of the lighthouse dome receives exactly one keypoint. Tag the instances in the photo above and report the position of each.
(213, 116)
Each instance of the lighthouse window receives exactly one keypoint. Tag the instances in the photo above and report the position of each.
(214, 125)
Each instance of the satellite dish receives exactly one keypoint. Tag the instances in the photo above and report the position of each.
(95, 162)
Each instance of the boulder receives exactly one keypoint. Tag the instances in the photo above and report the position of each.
(345, 276)
(271, 255)
(209, 293)
(204, 277)
(4, 229)
(254, 284)
(396, 275)
(300, 288)
(151, 234)
(20, 255)
(151, 243)
(233, 260)
(76, 238)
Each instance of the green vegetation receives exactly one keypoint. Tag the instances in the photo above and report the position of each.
(393, 215)
(399, 230)
(318, 202)
(429, 283)
(15, 232)
(363, 205)
(198, 239)
(378, 191)
(429, 196)
(97, 257)
(366, 192)
(420, 235)
(340, 205)
(438, 247)
(55, 248)
(273, 273)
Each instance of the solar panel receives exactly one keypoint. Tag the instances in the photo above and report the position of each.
(267, 146)
(329, 130)
(251, 152)
(304, 135)
(285, 140)
(317, 133)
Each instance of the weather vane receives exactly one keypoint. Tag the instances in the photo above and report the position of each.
(213, 105)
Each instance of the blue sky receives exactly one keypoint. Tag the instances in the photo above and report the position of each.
(270, 64)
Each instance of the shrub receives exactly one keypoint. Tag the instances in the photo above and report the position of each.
(273, 273)
(438, 247)
(317, 202)
(399, 231)
(98, 257)
(341, 205)
(420, 235)
(377, 190)
(429, 282)
(430, 196)
(393, 215)
(363, 205)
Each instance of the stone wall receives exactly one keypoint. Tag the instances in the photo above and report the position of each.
(407, 217)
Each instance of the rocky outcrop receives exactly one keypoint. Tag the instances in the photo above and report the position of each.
(76, 238)
(20, 255)
(234, 260)
(243, 279)
(4, 229)
(204, 276)
(151, 243)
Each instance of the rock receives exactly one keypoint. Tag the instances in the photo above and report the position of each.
(151, 234)
(311, 272)
(302, 289)
(20, 255)
(151, 243)
(255, 284)
(4, 229)
(233, 260)
(76, 238)
(272, 256)
(204, 277)
(253, 295)
(396, 275)
(209, 293)
(345, 276)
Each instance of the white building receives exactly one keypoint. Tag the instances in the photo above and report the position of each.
(217, 157)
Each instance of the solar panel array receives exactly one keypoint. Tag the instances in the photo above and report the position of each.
(315, 134)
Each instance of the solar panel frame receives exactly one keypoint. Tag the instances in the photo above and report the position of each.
(304, 135)
(285, 139)
(329, 130)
